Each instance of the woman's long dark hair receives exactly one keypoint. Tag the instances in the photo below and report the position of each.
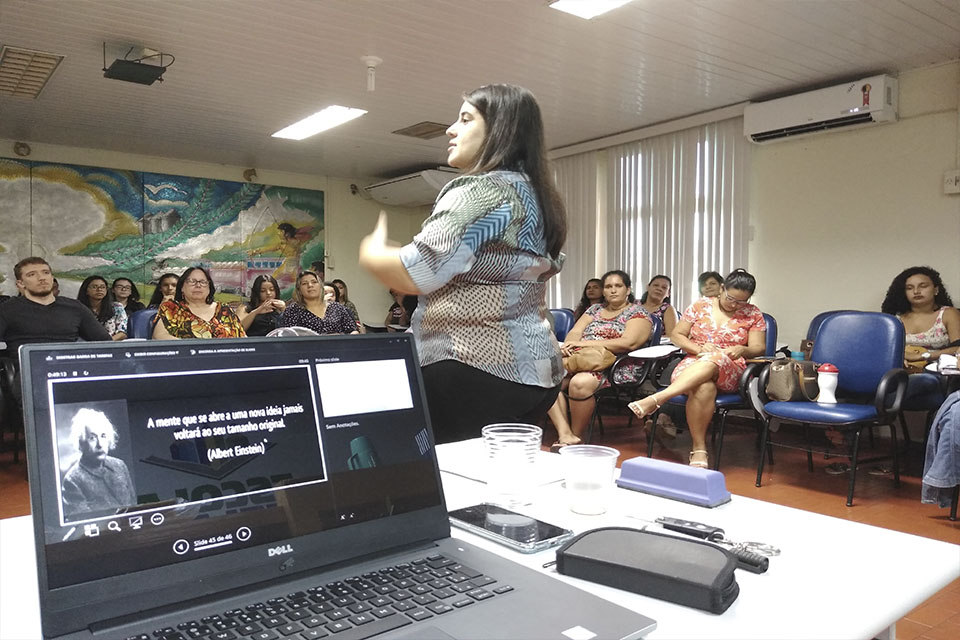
(896, 303)
(157, 296)
(626, 281)
(134, 292)
(346, 292)
(666, 298)
(584, 300)
(255, 300)
(106, 306)
(514, 141)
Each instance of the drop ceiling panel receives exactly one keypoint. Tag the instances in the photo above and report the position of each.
(246, 68)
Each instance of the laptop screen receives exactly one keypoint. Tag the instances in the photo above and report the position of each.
(161, 455)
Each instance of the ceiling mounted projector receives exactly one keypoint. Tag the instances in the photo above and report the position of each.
(131, 65)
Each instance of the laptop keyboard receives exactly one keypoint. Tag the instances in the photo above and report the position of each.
(351, 609)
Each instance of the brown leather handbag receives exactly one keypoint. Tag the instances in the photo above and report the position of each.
(589, 359)
(792, 380)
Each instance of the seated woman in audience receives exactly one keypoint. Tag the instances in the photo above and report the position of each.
(592, 294)
(259, 316)
(166, 290)
(718, 335)
(917, 296)
(397, 313)
(345, 301)
(619, 324)
(127, 294)
(656, 302)
(710, 283)
(96, 296)
(310, 309)
(193, 313)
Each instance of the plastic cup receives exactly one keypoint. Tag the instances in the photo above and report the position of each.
(511, 455)
(588, 470)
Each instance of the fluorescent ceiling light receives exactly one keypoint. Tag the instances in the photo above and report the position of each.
(328, 118)
(587, 9)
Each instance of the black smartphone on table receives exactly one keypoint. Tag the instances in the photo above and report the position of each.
(515, 530)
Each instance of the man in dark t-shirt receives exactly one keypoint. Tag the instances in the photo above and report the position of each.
(40, 316)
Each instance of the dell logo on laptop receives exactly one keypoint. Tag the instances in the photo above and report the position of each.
(278, 551)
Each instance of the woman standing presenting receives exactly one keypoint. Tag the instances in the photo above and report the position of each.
(479, 265)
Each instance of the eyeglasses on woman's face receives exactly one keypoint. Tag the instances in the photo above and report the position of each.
(194, 282)
(96, 287)
(736, 301)
(121, 287)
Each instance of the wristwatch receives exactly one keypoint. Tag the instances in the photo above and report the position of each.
(926, 355)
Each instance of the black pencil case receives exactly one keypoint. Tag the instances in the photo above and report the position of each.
(688, 572)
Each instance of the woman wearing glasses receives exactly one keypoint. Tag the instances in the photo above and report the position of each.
(96, 296)
(718, 334)
(127, 294)
(193, 313)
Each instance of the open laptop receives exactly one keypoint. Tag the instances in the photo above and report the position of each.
(262, 488)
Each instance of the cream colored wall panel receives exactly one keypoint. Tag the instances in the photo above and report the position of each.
(837, 216)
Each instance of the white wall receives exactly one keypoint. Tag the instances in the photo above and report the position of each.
(348, 217)
(838, 215)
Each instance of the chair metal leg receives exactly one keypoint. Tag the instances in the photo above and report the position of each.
(907, 442)
(953, 503)
(806, 440)
(765, 434)
(896, 455)
(653, 432)
(853, 465)
(719, 432)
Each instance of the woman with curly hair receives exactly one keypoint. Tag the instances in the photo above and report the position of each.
(921, 302)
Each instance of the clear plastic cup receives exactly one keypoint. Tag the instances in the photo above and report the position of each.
(588, 473)
(511, 457)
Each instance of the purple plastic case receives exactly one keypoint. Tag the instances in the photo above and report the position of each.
(702, 487)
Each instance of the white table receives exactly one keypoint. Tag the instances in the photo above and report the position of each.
(834, 577)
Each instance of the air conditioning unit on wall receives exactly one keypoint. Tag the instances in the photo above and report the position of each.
(865, 102)
(412, 190)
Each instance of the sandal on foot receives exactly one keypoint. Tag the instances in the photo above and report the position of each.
(556, 446)
(837, 468)
(639, 411)
(700, 464)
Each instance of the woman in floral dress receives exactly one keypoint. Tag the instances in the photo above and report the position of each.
(621, 325)
(193, 313)
(718, 334)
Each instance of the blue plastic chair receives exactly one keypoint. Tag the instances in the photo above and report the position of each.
(562, 322)
(140, 323)
(867, 348)
(725, 402)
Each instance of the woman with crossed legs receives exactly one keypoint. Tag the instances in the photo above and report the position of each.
(718, 334)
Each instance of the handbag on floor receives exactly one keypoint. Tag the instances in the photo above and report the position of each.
(589, 359)
(792, 380)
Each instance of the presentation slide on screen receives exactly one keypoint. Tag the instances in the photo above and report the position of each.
(353, 388)
(155, 441)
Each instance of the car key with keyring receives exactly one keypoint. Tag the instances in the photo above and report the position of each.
(752, 556)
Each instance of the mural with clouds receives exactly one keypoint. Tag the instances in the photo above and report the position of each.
(110, 222)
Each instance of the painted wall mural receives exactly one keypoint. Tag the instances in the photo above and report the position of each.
(110, 222)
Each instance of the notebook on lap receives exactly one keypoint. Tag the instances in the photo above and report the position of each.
(262, 488)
